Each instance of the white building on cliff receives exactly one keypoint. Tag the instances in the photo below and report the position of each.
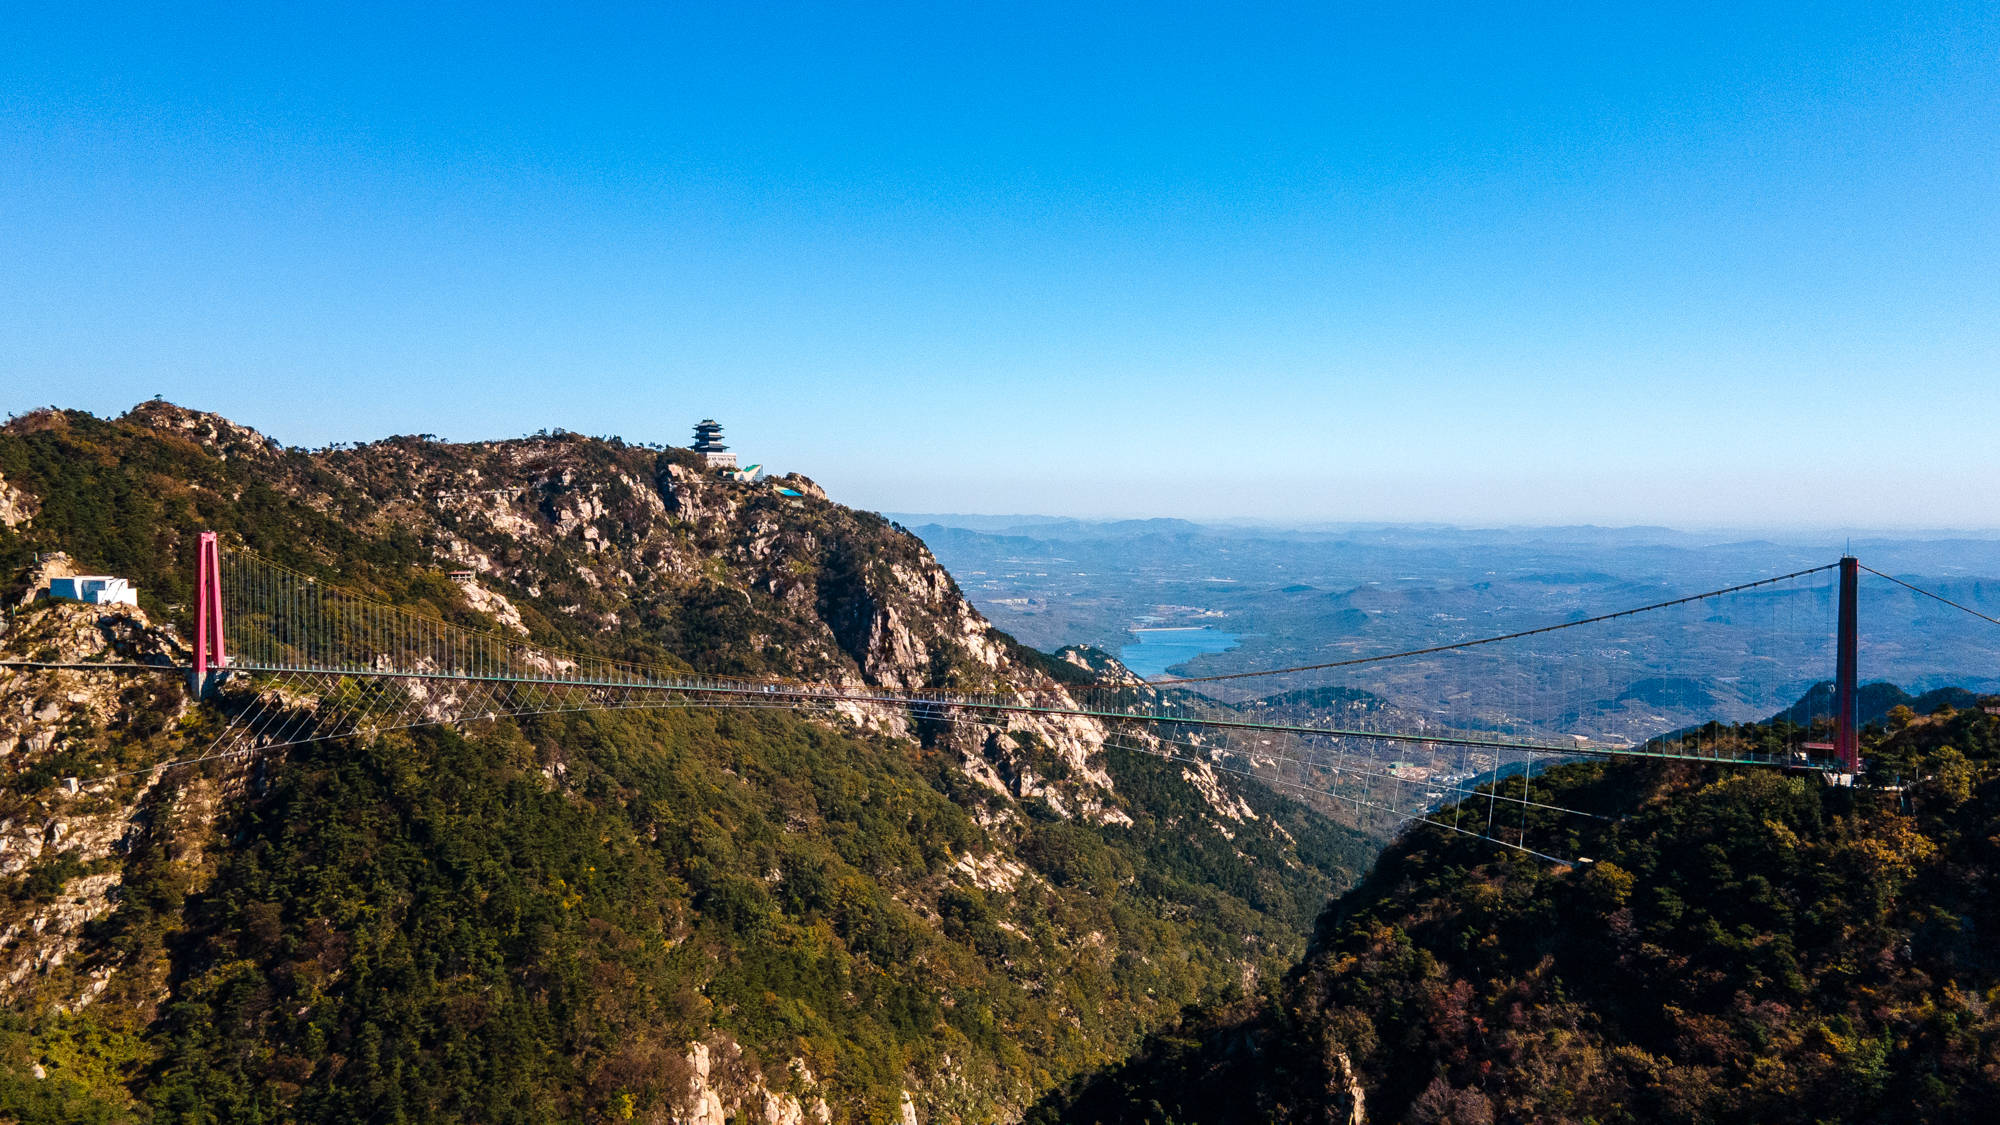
(94, 589)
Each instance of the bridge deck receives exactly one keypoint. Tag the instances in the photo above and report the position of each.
(922, 701)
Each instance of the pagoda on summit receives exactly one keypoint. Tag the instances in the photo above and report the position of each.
(708, 445)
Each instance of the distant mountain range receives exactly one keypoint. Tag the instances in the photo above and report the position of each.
(1831, 539)
(1311, 594)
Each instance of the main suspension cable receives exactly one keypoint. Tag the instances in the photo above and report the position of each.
(1928, 594)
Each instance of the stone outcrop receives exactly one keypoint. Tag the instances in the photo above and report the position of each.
(213, 432)
(17, 508)
(721, 1090)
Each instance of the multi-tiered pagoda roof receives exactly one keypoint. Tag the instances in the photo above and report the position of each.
(708, 437)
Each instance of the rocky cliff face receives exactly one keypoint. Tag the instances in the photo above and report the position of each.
(1039, 894)
(65, 839)
(17, 508)
(601, 538)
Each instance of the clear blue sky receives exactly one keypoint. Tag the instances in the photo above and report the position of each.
(1648, 263)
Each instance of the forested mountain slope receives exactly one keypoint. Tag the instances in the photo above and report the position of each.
(1729, 946)
(663, 915)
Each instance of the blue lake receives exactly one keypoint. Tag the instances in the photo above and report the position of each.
(1157, 650)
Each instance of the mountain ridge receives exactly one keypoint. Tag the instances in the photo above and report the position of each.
(853, 917)
(1723, 946)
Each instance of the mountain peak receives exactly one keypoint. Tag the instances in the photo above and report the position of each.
(212, 431)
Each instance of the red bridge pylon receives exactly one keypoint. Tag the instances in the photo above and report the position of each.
(1847, 700)
(210, 656)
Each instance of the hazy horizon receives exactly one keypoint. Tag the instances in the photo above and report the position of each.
(999, 519)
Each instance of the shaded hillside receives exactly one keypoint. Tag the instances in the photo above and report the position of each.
(1731, 946)
(637, 915)
(1873, 703)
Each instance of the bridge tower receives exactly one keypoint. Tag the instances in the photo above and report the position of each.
(209, 653)
(1846, 733)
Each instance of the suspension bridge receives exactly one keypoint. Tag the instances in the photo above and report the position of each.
(294, 658)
